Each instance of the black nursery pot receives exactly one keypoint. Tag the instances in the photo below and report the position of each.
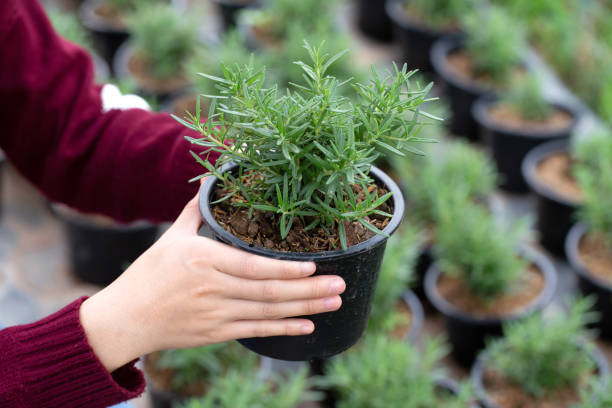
(373, 20)
(588, 283)
(229, 10)
(100, 253)
(509, 146)
(106, 38)
(417, 314)
(554, 212)
(467, 333)
(462, 92)
(477, 374)
(165, 399)
(358, 266)
(415, 39)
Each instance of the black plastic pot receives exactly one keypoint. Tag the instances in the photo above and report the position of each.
(462, 92)
(100, 253)
(509, 146)
(418, 316)
(467, 333)
(554, 212)
(229, 10)
(358, 266)
(477, 373)
(590, 284)
(165, 399)
(372, 20)
(101, 69)
(106, 38)
(415, 39)
(423, 262)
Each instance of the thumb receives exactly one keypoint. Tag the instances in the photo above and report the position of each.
(189, 220)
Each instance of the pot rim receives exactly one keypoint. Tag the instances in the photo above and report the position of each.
(545, 266)
(92, 21)
(529, 170)
(480, 114)
(572, 241)
(398, 211)
(399, 17)
(417, 314)
(476, 374)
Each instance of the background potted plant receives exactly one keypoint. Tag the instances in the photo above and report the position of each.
(418, 24)
(373, 21)
(174, 376)
(316, 195)
(483, 63)
(230, 9)
(541, 362)
(518, 122)
(482, 278)
(589, 243)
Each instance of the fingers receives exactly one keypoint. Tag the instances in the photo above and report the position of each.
(248, 310)
(265, 328)
(285, 290)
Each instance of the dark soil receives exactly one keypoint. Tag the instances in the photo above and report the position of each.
(402, 330)
(187, 103)
(530, 284)
(511, 118)
(463, 65)
(556, 172)
(266, 37)
(263, 229)
(597, 256)
(140, 68)
(111, 15)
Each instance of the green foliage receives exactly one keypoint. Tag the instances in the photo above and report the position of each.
(68, 26)
(440, 13)
(595, 395)
(495, 42)
(593, 170)
(164, 36)
(478, 248)
(527, 98)
(449, 168)
(246, 390)
(396, 275)
(201, 365)
(545, 354)
(390, 373)
(310, 147)
(130, 5)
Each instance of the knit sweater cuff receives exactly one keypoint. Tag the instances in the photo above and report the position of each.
(59, 367)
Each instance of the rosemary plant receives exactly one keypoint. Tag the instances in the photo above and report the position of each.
(440, 13)
(310, 148)
(595, 395)
(527, 98)
(542, 355)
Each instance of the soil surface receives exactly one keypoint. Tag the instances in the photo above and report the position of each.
(263, 229)
(556, 172)
(511, 118)
(187, 103)
(597, 256)
(462, 64)
(507, 394)
(141, 70)
(266, 38)
(111, 15)
(162, 378)
(402, 330)
(530, 284)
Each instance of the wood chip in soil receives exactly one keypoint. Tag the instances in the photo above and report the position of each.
(510, 118)
(597, 256)
(555, 171)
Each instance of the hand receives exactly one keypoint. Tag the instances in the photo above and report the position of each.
(187, 291)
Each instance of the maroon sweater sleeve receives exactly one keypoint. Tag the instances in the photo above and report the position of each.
(126, 164)
(50, 364)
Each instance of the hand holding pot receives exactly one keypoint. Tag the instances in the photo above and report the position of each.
(188, 291)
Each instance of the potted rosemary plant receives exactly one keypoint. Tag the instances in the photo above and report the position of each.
(518, 122)
(483, 277)
(542, 362)
(589, 243)
(296, 182)
(483, 63)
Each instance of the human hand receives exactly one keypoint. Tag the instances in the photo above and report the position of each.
(188, 291)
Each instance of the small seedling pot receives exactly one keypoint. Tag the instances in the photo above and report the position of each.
(106, 38)
(467, 333)
(461, 91)
(99, 253)
(510, 145)
(229, 10)
(358, 266)
(415, 38)
(477, 375)
(554, 212)
(373, 21)
(588, 283)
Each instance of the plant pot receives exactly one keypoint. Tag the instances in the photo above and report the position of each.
(124, 66)
(230, 9)
(423, 262)
(590, 284)
(462, 92)
(554, 212)
(165, 399)
(358, 266)
(510, 145)
(100, 252)
(477, 374)
(107, 37)
(372, 20)
(467, 333)
(101, 69)
(415, 38)
(417, 315)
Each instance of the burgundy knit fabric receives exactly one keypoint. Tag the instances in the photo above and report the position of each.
(49, 364)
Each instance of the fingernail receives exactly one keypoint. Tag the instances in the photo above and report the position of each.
(307, 268)
(331, 303)
(306, 329)
(336, 287)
